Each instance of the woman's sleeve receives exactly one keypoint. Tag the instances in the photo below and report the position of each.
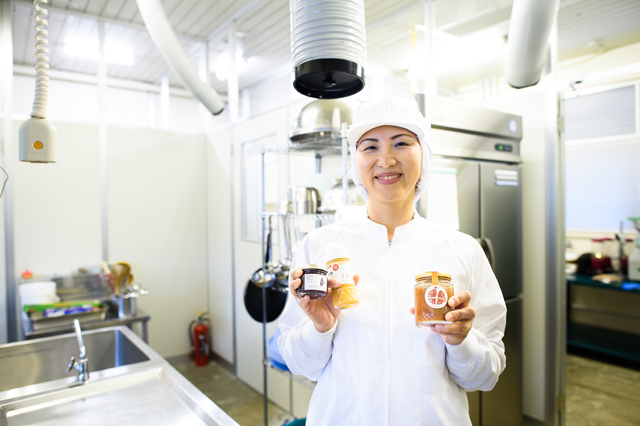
(305, 350)
(478, 361)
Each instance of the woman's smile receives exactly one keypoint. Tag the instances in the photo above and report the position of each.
(388, 178)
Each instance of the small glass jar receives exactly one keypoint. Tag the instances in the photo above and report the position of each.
(313, 282)
(432, 293)
(339, 268)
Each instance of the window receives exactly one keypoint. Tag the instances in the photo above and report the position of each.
(602, 159)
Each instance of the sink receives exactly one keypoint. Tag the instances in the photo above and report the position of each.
(129, 383)
(43, 360)
(156, 396)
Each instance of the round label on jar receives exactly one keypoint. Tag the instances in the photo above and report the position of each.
(436, 297)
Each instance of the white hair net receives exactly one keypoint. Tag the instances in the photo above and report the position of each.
(391, 112)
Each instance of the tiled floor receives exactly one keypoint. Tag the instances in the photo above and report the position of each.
(238, 400)
(598, 394)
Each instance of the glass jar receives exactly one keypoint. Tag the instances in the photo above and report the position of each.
(339, 268)
(313, 282)
(432, 293)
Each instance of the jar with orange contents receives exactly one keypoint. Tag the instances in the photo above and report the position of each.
(432, 293)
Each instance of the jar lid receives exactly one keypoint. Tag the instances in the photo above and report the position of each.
(441, 275)
(313, 266)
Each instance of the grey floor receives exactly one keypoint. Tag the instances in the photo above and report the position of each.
(234, 397)
(601, 394)
(598, 394)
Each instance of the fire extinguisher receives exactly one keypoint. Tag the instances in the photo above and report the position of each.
(198, 334)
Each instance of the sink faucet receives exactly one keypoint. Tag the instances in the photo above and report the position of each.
(82, 365)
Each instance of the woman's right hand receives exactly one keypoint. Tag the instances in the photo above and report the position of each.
(320, 311)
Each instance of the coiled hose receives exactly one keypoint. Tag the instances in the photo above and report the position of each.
(42, 62)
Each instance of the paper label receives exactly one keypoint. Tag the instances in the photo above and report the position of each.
(436, 297)
(341, 271)
(315, 282)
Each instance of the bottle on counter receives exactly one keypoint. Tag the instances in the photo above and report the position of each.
(339, 268)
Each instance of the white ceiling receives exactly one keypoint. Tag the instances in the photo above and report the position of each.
(584, 26)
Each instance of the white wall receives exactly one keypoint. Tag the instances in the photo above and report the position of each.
(57, 206)
(219, 242)
(529, 103)
(157, 223)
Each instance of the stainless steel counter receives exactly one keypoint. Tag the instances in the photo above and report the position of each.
(129, 384)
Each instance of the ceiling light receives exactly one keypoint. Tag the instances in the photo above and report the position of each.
(89, 50)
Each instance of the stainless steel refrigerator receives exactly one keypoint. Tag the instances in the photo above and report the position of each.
(482, 148)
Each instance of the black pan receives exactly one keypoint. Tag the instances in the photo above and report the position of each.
(253, 301)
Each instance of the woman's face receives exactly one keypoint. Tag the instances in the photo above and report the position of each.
(389, 160)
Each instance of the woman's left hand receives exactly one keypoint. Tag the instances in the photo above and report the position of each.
(462, 317)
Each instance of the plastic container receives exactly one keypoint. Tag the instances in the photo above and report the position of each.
(432, 293)
(38, 293)
(339, 268)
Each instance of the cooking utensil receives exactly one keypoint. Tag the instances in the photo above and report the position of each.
(275, 301)
(121, 272)
(322, 119)
(303, 200)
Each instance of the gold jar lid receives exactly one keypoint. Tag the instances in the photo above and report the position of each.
(428, 274)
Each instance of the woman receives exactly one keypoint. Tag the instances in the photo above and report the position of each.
(372, 364)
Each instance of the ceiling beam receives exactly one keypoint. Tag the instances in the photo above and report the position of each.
(134, 25)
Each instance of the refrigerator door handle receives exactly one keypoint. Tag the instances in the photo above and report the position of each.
(486, 245)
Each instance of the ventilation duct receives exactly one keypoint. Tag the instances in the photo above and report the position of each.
(529, 29)
(167, 43)
(328, 47)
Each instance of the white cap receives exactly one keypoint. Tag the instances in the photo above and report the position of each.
(391, 112)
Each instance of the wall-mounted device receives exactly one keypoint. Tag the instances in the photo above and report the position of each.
(38, 136)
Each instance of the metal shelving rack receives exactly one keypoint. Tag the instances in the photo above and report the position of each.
(322, 146)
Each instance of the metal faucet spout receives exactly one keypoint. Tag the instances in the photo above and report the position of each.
(82, 365)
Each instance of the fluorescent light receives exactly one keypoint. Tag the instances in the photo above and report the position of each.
(118, 55)
(88, 50)
(222, 65)
(81, 52)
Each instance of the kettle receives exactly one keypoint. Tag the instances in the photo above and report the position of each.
(303, 200)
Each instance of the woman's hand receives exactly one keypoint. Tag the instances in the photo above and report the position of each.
(319, 311)
(462, 318)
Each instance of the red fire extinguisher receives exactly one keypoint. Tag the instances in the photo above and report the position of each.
(198, 334)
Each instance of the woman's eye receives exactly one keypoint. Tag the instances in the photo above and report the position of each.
(369, 148)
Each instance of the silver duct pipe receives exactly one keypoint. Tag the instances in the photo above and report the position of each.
(166, 41)
(328, 47)
(531, 23)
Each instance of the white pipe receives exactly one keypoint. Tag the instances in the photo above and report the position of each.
(529, 29)
(165, 39)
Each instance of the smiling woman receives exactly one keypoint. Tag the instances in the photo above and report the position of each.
(372, 364)
(388, 160)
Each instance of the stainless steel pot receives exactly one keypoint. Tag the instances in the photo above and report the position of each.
(303, 200)
(321, 119)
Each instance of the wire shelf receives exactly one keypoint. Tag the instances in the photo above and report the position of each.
(316, 216)
(319, 146)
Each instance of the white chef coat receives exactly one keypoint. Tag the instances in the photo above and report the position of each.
(375, 367)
